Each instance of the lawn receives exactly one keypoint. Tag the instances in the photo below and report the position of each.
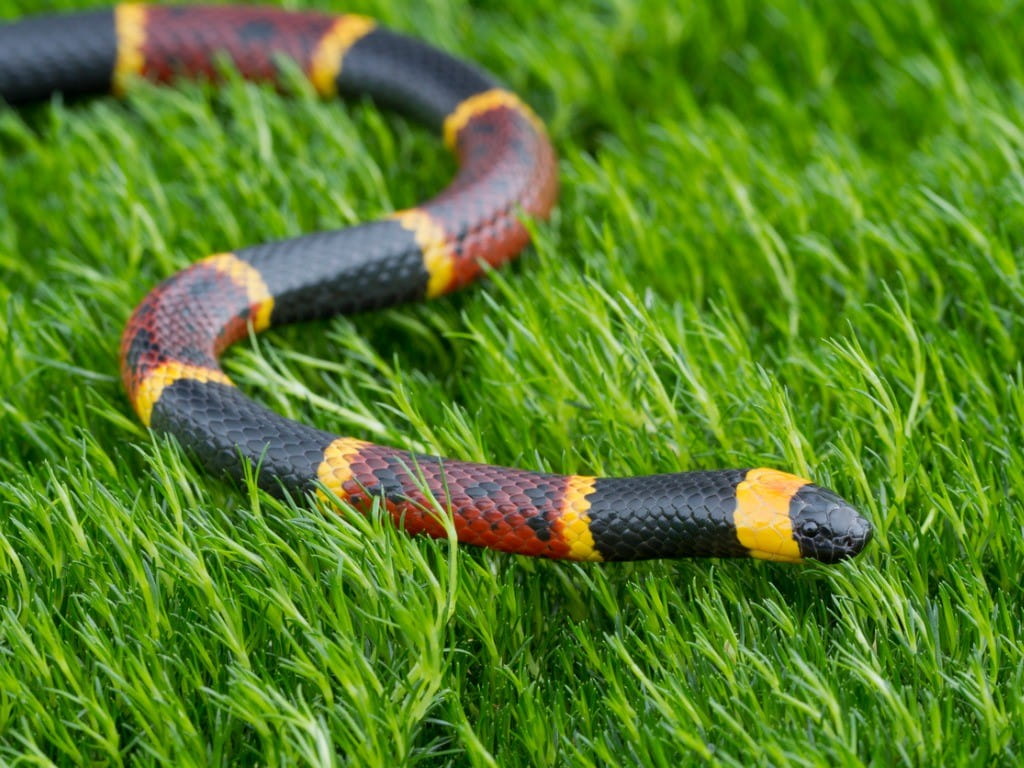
(790, 234)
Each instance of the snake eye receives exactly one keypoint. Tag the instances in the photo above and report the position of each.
(809, 528)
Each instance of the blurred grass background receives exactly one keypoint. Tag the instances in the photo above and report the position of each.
(790, 234)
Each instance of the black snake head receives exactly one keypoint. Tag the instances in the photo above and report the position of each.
(825, 526)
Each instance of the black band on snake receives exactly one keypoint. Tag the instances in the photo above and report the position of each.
(507, 171)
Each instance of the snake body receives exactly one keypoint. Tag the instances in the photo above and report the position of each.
(507, 170)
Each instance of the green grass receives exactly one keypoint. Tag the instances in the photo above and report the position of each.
(789, 234)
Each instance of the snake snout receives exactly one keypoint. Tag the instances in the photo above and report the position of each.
(826, 527)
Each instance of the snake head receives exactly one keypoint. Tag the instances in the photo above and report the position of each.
(825, 526)
(788, 519)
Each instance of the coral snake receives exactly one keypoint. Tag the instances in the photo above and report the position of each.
(507, 171)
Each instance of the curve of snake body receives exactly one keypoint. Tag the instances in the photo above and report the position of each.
(507, 170)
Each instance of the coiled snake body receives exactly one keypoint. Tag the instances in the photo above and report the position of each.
(507, 170)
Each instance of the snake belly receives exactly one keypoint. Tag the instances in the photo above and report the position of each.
(507, 170)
